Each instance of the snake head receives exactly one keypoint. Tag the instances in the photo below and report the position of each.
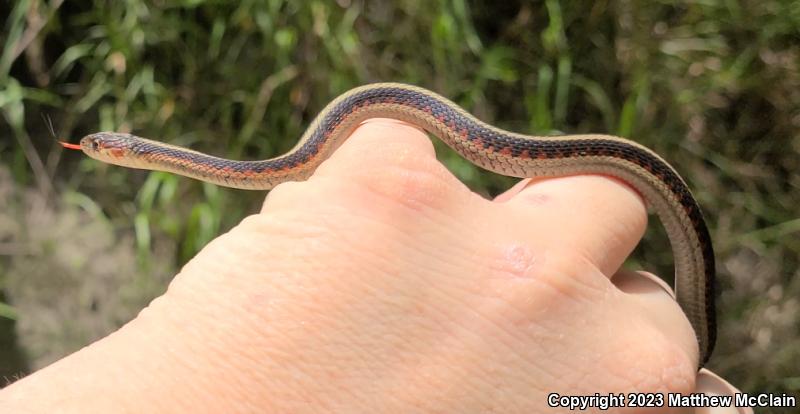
(111, 147)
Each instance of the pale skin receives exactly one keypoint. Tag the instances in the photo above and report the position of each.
(383, 284)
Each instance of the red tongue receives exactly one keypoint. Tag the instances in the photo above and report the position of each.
(70, 146)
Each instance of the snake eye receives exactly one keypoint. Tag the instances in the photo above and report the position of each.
(95, 145)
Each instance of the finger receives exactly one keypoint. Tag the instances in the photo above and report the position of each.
(712, 384)
(378, 143)
(656, 302)
(595, 216)
(390, 158)
(513, 191)
(642, 283)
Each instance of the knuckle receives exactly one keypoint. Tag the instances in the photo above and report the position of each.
(552, 279)
(415, 188)
(394, 165)
(644, 359)
(570, 273)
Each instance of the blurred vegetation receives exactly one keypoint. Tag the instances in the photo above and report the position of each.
(713, 86)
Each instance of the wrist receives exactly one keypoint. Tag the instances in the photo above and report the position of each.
(165, 359)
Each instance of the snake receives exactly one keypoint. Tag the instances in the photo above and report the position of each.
(489, 147)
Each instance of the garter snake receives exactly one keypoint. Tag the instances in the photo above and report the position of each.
(492, 148)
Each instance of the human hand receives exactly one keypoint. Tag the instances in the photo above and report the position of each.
(382, 284)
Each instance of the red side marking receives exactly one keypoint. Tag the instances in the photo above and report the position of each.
(525, 154)
(428, 109)
(506, 151)
(541, 155)
(117, 152)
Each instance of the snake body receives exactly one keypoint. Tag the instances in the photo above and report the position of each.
(492, 148)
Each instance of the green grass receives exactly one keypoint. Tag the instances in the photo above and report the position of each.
(713, 86)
